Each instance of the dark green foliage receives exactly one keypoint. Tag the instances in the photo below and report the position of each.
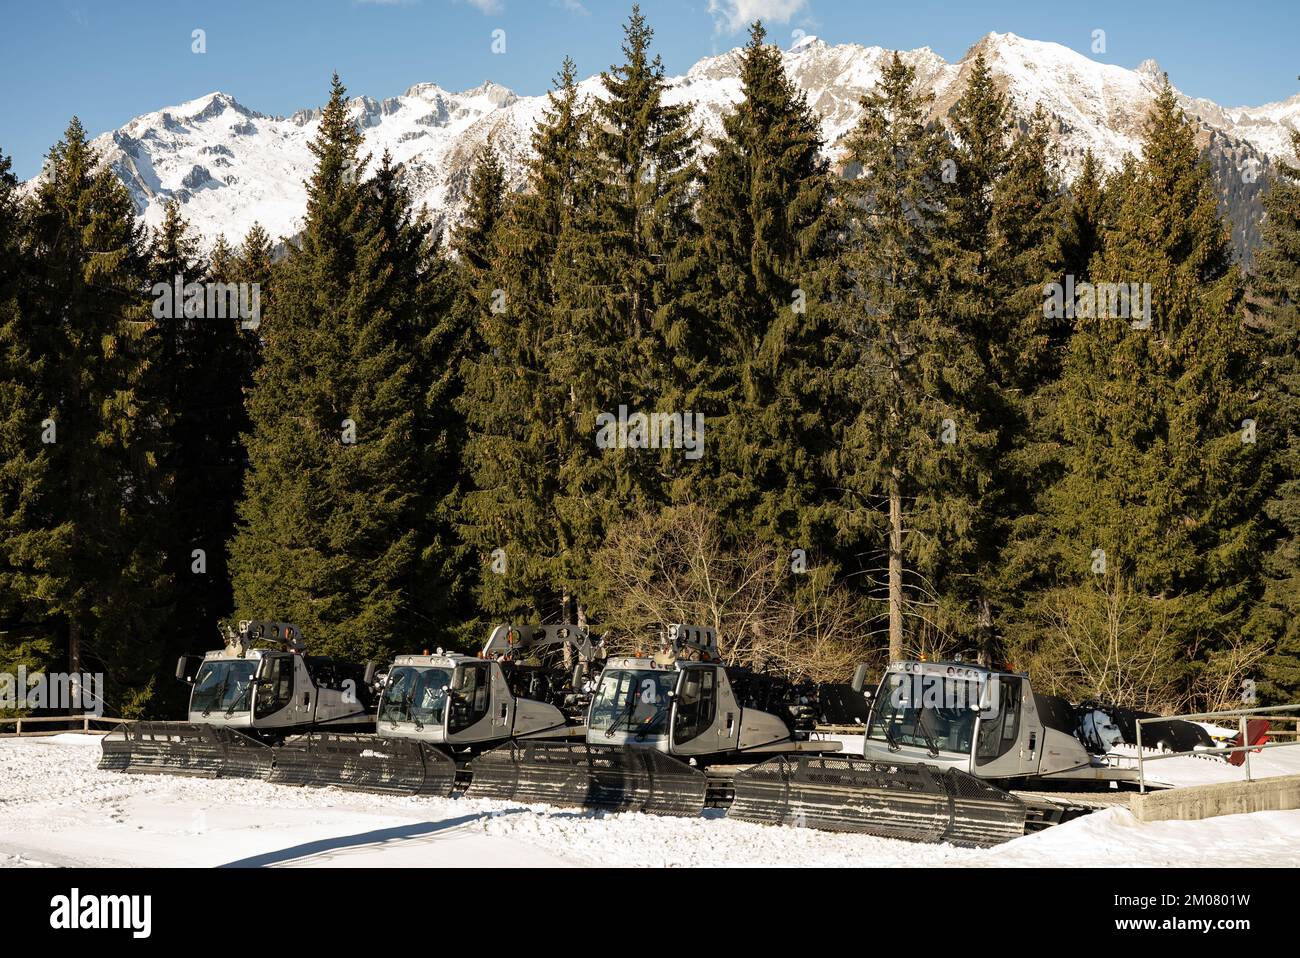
(85, 547)
(1276, 282)
(199, 378)
(517, 407)
(338, 524)
(1024, 254)
(915, 379)
(1159, 472)
(25, 634)
(620, 269)
(765, 232)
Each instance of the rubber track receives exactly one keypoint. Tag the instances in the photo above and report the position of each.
(835, 793)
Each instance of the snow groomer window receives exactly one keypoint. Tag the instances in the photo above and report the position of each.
(998, 734)
(276, 692)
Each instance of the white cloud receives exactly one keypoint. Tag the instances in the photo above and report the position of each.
(735, 15)
(573, 6)
(486, 7)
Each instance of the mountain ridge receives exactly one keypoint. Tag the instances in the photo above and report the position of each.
(231, 165)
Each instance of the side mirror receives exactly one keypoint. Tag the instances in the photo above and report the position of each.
(372, 667)
(184, 672)
(860, 677)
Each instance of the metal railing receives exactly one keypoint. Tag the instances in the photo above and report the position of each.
(1240, 714)
(84, 721)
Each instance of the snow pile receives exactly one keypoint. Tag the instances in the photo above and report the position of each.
(57, 808)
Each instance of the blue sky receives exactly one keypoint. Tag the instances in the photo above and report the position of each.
(110, 60)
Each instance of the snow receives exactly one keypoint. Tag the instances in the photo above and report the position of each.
(1114, 838)
(58, 809)
(258, 164)
(1213, 769)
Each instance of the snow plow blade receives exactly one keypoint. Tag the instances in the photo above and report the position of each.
(184, 748)
(363, 763)
(913, 802)
(562, 773)
(115, 750)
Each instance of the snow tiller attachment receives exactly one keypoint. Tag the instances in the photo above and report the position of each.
(913, 802)
(575, 774)
(364, 763)
(184, 748)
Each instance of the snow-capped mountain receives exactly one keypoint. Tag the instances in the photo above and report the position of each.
(230, 165)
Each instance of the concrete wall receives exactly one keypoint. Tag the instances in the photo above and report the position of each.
(1226, 798)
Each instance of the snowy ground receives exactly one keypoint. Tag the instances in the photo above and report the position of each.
(56, 809)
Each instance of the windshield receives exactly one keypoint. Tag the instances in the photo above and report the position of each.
(629, 700)
(223, 686)
(415, 694)
(925, 711)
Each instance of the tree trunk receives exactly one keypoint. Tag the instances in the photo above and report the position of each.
(566, 607)
(895, 568)
(74, 652)
(986, 633)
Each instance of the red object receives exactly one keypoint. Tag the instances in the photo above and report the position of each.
(1256, 734)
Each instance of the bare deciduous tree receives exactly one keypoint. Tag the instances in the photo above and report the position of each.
(675, 566)
(1103, 640)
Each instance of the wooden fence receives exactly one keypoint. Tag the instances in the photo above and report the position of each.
(75, 723)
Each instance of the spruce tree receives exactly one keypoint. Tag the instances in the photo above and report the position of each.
(1079, 238)
(1276, 285)
(915, 454)
(620, 270)
(1025, 254)
(255, 261)
(1065, 256)
(200, 375)
(978, 275)
(336, 522)
(765, 241)
(91, 549)
(979, 159)
(472, 238)
(24, 465)
(518, 409)
(477, 301)
(424, 305)
(1163, 476)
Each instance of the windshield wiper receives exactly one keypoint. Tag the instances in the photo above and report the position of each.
(931, 746)
(625, 715)
(242, 700)
(884, 726)
(221, 694)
